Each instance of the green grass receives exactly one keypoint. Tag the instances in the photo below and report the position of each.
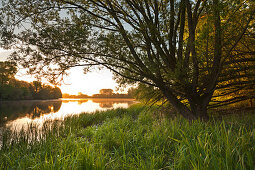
(132, 139)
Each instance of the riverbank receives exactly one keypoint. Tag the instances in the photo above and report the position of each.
(133, 138)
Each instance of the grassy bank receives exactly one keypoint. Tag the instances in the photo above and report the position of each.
(132, 139)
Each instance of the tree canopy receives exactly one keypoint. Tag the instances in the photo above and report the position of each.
(12, 89)
(192, 52)
(7, 71)
(106, 91)
(21, 90)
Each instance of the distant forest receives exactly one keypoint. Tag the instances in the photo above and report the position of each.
(104, 93)
(13, 89)
(21, 90)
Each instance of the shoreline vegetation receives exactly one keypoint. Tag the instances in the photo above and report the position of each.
(37, 109)
(21, 90)
(135, 138)
(119, 96)
(57, 99)
(14, 89)
(104, 93)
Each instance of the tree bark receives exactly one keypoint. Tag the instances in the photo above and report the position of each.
(200, 110)
(197, 106)
(178, 106)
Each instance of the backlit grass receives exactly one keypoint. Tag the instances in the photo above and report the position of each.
(132, 139)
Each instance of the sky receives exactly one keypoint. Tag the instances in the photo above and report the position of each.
(77, 81)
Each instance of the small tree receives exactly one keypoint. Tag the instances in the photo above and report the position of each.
(106, 92)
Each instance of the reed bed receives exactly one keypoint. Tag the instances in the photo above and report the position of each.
(132, 138)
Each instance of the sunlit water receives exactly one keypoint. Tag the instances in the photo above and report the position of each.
(18, 114)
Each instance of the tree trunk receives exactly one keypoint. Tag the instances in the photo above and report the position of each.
(179, 106)
(197, 109)
(200, 110)
(198, 105)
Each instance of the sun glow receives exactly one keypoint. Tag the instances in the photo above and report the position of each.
(89, 83)
(4, 54)
(76, 81)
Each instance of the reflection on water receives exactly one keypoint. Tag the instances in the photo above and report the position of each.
(110, 103)
(12, 110)
(18, 114)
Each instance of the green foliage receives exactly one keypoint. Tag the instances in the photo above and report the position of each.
(14, 93)
(132, 139)
(7, 71)
(12, 89)
(185, 49)
(106, 91)
(147, 94)
(48, 92)
(21, 90)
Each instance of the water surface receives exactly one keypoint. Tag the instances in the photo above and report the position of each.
(18, 114)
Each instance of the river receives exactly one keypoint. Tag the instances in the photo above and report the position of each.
(18, 114)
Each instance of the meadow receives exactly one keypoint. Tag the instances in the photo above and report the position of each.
(133, 138)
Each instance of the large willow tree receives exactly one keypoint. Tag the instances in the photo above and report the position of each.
(186, 49)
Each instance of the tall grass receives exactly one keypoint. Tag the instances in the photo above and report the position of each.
(132, 139)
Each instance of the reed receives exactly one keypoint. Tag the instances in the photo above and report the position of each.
(132, 139)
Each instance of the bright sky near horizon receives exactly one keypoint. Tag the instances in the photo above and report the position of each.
(89, 83)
